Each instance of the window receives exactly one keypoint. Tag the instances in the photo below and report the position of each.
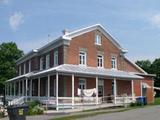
(29, 65)
(55, 58)
(82, 58)
(24, 68)
(98, 39)
(19, 69)
(114, 62)
(41, 63)
(100, 60)
(82, 84)
(47, 61)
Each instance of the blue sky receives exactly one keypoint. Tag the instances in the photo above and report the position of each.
(134, 23)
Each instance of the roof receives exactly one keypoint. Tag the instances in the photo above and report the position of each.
(91, 71)
(136, 66)
(65, 38)
(21, 76)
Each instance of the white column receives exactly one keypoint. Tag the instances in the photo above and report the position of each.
(57, 92)
(23, 94)
(48, 86)
(132, 85)
(115, 90)
(97, 89)
(39, 83)
(30, 88)
(72, 91)
(26, 87)
(19, 88)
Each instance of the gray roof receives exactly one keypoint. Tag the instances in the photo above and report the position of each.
(82, 70)
(90, 71)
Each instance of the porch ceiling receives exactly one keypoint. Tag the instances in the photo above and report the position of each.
(90, 71)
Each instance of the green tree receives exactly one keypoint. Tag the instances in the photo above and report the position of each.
(145, 65)
(9, 53)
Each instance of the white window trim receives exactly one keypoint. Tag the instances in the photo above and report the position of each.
(102, 61)
(56, 58)
(98, 42)
(85, 82)
(47, 61)
(115, 63)
(85, 58)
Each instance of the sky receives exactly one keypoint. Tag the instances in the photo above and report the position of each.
(134, 23)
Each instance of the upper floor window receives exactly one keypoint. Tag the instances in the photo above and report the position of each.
(114, 62)
(82, 84)
(41, 63)
(47, 61)
(29, 66)
(82, 58)
(19, 69)
(24, 68)
(100, 61)
(98, 39)
(56, 58)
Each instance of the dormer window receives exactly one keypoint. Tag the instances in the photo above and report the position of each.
(98, 39)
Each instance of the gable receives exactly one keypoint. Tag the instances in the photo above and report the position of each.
(96, 27)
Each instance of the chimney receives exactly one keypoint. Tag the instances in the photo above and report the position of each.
(65, 31)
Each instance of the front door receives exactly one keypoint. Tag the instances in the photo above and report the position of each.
(100, 88)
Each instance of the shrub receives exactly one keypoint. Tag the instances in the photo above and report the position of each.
(35, 108)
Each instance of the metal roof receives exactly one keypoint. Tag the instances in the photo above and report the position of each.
(91, 71)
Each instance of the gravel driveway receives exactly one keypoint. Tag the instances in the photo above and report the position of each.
(147, 113)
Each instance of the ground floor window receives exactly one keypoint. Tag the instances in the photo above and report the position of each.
(82, 83)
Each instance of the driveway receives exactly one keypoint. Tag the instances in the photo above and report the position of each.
(147, 113)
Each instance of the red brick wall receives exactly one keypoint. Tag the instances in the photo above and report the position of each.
(107, 87)
(123, 87)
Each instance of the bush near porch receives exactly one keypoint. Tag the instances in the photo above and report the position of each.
(35, 108)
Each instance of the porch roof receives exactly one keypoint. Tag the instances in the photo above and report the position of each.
(21, 76)
(94, 71)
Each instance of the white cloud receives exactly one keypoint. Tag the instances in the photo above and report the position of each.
(155, 20)
(15, 20)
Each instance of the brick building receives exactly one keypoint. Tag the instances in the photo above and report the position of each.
(89, 61)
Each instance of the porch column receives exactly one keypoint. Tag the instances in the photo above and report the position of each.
(48, 86)
(23, 94)
(39, 82)
(72, 91)
(26, 88)
(19, 86)
(97, 90)
(57, 91)
(30, 94)
(132, 85)
(115, 90)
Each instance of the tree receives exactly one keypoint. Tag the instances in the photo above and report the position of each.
(145, 65)
(9, 53)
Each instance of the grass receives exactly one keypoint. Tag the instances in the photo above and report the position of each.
(90, 113)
